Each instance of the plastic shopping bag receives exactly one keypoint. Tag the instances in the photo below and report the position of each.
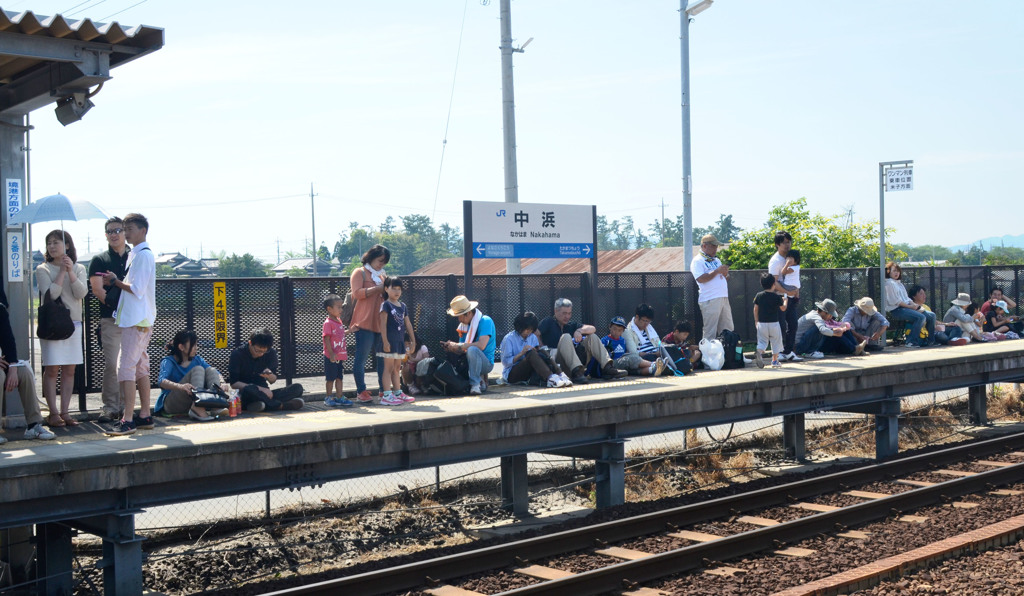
(712, 353)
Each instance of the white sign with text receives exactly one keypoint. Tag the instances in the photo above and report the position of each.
(532, 230)
(899, 179)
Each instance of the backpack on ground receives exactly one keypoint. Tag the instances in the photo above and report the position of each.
(733, 350)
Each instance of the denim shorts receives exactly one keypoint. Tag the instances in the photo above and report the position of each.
(333, 370)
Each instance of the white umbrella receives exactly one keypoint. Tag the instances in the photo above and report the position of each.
(57, 207)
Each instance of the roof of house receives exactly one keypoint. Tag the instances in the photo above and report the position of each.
(608, 261)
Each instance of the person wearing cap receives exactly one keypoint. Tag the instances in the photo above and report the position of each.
(815, 337)
(622, 344)
(712, 281)
(575, 344)
(959, 324)
(998, 319)
(866, 323)
(476, 340)
(995, 295)
(904, 310)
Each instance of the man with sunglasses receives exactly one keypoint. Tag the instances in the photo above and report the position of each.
(115, 259)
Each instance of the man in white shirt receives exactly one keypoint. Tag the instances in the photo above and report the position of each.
(778, 267)
(135, 315)
(712, 280)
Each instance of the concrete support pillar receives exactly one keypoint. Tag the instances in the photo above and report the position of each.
(18, 550)
(514, 492)
(54, 556)
(887, 431)
(610, 474)
(793, 437)
(977, 404)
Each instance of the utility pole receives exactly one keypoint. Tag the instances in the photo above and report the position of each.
(508, 115)
(662, 220)
(312, 214)
(278, 251)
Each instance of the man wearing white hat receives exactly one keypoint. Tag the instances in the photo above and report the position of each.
(866, 323)
(712, 282)
(476, 341)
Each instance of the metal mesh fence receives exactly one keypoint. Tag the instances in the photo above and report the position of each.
(292, 308)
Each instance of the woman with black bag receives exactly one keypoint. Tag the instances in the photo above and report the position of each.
(182, 373)
(60, 277)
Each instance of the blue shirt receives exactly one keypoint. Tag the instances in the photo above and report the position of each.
(510, 348)
(174, 372)
(486, 327)
(616, 347)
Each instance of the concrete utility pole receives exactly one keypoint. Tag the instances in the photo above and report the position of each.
(508, 117)
(684, 53)
(312, 214)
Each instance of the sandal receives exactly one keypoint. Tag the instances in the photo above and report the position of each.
(54, 420)
(68, 420)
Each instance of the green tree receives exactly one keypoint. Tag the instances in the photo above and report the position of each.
(242, 266)
(724, 229)
(924, 252)
(824, 242)
(1005, 255)
(297, 272)
(165, 271)
(975, 255)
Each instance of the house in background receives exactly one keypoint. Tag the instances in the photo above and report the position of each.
(324, 268)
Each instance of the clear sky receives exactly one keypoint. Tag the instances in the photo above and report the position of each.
(217, 136)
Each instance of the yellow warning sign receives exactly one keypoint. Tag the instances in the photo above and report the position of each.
(220, 314)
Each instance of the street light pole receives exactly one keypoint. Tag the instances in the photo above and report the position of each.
(684, 53)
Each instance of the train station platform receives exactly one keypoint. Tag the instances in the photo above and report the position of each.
(96, 484)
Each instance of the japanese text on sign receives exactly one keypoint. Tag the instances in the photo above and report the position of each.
(220, 314)
(13, 200)
(15, 253)
(899, 179)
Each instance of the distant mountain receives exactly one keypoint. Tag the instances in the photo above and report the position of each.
(989, 243)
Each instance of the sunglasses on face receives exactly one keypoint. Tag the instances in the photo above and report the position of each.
(115, 231)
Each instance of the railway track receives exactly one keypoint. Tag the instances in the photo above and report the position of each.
(635, 567)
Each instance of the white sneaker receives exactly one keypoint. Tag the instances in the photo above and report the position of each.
(814, 355)
(793, 357)
(39, 432)
(747, 360)
(475, 390)
(564, 380)
(554, 381)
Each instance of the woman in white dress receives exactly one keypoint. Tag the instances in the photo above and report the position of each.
(64, 278)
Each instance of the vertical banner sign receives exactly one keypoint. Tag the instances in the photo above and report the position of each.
(899, 179)
(15, 253)
(13, 200)
(220, 314)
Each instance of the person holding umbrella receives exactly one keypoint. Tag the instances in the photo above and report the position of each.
(62, 277)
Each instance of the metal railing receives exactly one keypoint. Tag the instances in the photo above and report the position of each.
(292, 307)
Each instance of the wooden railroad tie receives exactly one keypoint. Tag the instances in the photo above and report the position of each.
(545, 573)
(626, 554)
(447, 590)
(694, 536)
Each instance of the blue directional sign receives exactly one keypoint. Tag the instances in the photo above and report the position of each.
(545, 250)
(532, 230)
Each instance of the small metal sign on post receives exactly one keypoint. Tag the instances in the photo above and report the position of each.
(220, 314)
(529, 230)
(892, 176)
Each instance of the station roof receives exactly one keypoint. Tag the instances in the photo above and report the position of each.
(608, 261)
(46, 58)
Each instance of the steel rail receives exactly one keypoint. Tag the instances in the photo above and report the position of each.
(412, 575)
(654, 567)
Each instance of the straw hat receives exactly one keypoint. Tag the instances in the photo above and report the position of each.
(866, 305)
(710, 239)
(461, 305)
(962, 299)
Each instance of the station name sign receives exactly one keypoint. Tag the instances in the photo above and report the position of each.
(531, 230)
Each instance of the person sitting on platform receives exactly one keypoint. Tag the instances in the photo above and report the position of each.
(476, 340)
(523, 362)
(575, 345)
(918, 295)
(251, 370)
(181, 372)
(995, 295)
(904, 310)
(624, 341)
(17, 374)
(959, 324)
(866, 323)
(998, 319)
(815, 337)
(680, 334)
